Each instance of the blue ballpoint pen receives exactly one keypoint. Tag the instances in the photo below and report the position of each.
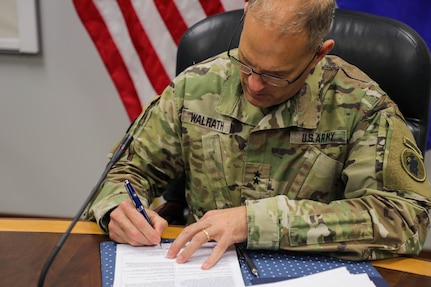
(137, 202)
(134, 197)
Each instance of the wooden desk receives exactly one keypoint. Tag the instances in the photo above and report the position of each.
(25, 244)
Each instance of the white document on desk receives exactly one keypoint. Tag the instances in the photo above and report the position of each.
(339, 277)
(149, 266)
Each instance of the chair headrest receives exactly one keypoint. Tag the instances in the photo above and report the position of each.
(392, 54)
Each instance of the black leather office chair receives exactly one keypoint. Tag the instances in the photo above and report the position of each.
(390, 52)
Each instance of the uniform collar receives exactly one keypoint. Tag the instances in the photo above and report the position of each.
(303, 110)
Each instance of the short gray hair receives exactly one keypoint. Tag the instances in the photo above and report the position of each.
(312, 16)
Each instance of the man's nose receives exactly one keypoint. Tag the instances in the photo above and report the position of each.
(255, 82)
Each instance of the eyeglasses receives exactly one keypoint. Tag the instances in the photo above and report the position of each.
(269, 79)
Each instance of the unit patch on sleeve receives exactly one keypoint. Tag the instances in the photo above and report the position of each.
(413, 165)
(329, 137)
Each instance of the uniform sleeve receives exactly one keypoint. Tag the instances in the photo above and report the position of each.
(385, 209)
(151, 162)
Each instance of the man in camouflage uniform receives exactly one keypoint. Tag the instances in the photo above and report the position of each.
(300, 152)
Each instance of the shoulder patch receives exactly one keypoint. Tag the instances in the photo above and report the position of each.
(411, 144)
(413, 165)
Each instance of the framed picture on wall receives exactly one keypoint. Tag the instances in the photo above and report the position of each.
(18, 26)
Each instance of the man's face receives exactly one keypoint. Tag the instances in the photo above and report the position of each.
(268, 52)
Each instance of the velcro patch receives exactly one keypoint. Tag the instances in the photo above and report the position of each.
(206, 121)
(413, 165)
(329, 137)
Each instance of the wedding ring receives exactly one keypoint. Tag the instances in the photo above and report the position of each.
(206, 234)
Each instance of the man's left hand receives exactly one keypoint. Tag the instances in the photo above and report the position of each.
(225, 226)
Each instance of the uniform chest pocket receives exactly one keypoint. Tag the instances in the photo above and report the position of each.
(317, 178)
(215, 172)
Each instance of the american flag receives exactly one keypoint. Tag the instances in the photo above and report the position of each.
(137, 40)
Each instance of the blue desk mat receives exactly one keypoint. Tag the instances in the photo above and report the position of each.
(273, 266)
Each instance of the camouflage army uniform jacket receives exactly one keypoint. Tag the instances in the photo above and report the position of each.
(334, 169)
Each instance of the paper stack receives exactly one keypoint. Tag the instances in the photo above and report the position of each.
(338, 277)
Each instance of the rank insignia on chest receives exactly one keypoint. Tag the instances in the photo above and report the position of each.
(256, 177)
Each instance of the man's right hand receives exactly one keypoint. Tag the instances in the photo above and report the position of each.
(127, 225)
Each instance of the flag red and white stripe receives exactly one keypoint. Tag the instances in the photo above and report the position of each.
(137, 40)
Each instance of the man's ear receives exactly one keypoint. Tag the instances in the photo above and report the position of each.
(325, 49)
